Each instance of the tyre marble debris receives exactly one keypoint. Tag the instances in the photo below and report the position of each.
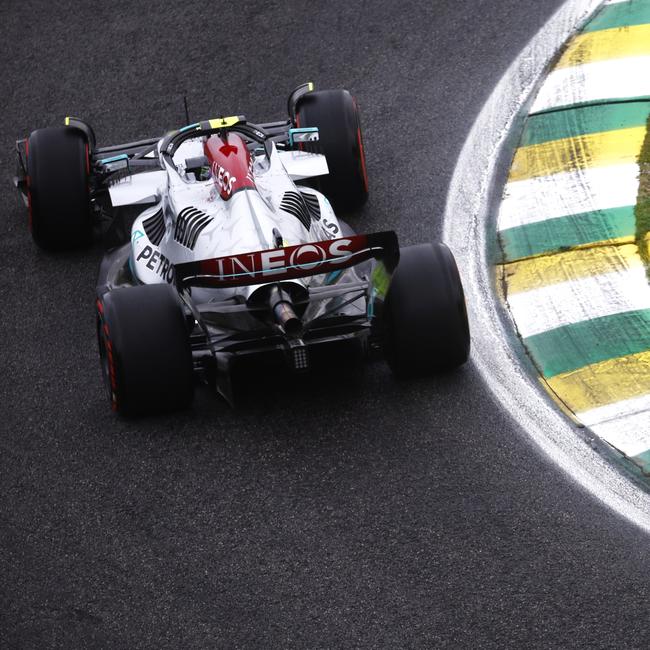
(573, 229)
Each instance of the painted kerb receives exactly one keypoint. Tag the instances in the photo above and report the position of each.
(573, 225)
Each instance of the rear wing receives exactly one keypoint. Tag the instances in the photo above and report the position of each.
(291, 262)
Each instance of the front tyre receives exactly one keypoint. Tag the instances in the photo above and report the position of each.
(58, 167)
(336, 114)
(144, 350)
(426, 326)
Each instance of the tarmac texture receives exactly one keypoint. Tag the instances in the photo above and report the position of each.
(343, 512)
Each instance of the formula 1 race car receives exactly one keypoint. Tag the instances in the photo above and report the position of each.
(237, 258)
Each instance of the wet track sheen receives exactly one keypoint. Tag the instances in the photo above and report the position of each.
(347, 512)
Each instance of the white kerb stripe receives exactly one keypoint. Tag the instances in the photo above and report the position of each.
(630, 434)
(560, 195)
(612, 79)
(615, 2)
(555, 305)
(609, 412)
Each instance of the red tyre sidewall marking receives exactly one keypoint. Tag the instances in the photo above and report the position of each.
(29, 207)
(108, 348)
(362, 154)
(298, 126)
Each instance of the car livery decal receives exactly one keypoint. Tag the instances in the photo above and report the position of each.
(155, 261)
(292, 262)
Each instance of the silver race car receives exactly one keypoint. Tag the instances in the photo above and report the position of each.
(233, 255)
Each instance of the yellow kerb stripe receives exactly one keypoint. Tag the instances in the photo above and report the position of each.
(538, 272)
(581, 152)
(604, 383)
(616, 43)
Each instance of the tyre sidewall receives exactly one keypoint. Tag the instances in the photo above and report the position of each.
(426, 317)
(336, 114)
(58, 189)
(145, 329)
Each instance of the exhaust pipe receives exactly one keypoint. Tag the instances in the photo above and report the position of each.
(280, 303)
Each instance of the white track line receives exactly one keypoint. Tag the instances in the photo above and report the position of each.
(613, 79)
(569, 193)
(465, 227)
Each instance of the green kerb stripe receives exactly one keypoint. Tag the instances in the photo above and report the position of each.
(623, 14)
(584, 120)
(580, 344)
(643, 462)
(568, 232)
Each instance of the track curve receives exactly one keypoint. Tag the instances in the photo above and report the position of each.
(368, 514)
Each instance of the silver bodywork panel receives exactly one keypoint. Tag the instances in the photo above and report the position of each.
(189, 221)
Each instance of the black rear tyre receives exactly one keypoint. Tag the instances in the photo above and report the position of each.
(336, 114)
(58, 193)
(145, 350)
(426, 318)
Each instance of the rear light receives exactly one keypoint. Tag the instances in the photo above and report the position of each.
(299, 357)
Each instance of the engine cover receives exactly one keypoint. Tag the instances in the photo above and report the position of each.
(231, 163)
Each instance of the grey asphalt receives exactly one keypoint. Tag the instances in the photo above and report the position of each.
(350, 512)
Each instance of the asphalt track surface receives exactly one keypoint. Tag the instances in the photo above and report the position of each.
(346, 512)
